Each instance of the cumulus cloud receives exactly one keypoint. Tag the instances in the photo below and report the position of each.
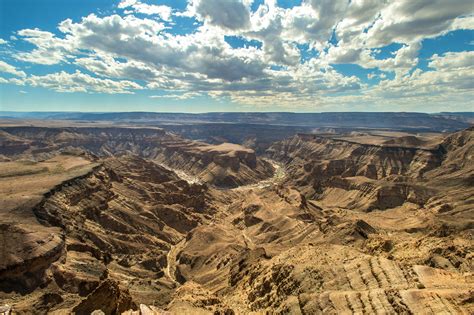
(7, 68)
(406, 21)
(141, 40)
(182, 96)
(404, 59)
(453, 75)
(163, 11)
(126, 3)
(49, 49)
(78, 82)
(328, 14)
(143, 48)
(453, 60)
(228, 14)
(372, 24)
(360, 15)
(107, 66)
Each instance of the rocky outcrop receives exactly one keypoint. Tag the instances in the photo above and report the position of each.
(311, 280)
(223, 165)
(99, 229)
(11, 145)
(116, 218)
(28, 248)
(376, 177)
(27, 253)
(327, 157)
(107, 222)
(368, 195)
(109, 298)
(192, 298)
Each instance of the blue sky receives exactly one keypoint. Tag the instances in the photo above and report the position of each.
(236, 55)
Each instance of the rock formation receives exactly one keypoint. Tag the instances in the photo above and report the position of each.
(107, 220)
(224, 165)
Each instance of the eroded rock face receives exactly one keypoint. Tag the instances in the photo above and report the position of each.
(223, 165)
(109, 298)
(125, 220)
(347, 229)
(358, 176)
(226, 165)
(28, 247)
(112, 221)
(26, 254)
(347, 159)
(10, 144)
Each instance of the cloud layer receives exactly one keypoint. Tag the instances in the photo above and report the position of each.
(284, 57)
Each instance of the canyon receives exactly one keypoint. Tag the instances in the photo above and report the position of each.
(135, 218)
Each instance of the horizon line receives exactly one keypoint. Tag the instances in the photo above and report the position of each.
(232, 112)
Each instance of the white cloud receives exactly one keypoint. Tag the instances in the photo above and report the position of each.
(371, 24)
(107, 66)
(141, 41)
(126, 3)
(182, 96)
(405, 21)
(463, 23)
(3, 42)
(228, 14)
(360, 15)
(404, 59)
(7, 68)
(162, 11)
(124, 49)
(78, 82)
(50, 49)
(453, 75)
(453, 60)
(328, 14)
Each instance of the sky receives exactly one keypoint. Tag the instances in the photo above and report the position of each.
(236, 55)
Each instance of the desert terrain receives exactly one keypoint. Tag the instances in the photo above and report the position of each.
(199, 215)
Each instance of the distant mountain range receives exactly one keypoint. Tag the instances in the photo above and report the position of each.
(444, 121)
